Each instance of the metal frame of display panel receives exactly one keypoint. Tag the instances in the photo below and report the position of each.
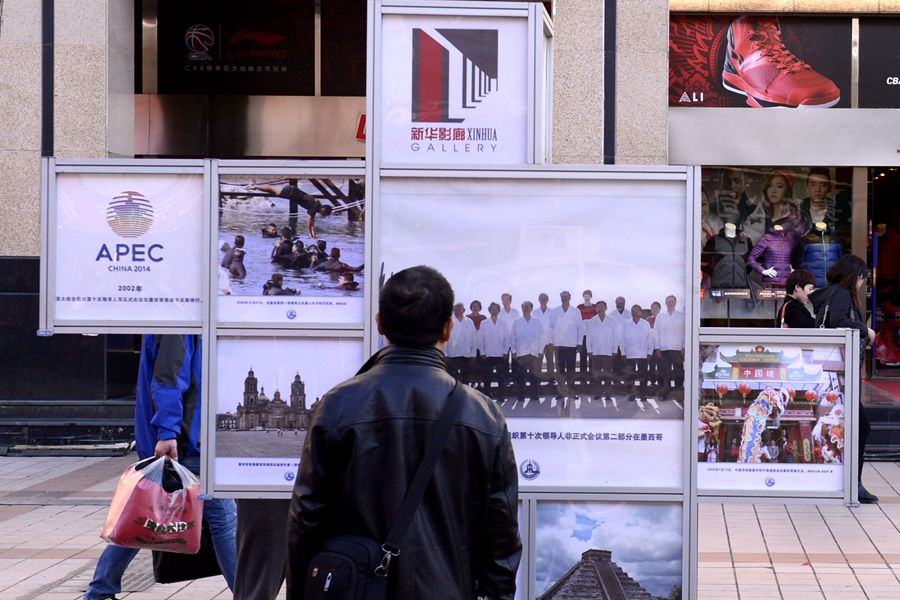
(689, 175)
(208, 468)
(848, 338)
(531, 495)
(539, 69)
(49, 323)
(350, 168)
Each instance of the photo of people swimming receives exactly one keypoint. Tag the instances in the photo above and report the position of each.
(290, 236)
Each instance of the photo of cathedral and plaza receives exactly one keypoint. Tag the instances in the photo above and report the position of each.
(258, 412)
(267, 388)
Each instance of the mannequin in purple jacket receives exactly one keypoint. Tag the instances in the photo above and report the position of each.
(771, 256)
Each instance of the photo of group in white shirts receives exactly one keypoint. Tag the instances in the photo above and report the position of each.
(599, 358)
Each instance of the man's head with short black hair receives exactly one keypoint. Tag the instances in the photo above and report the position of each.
(415, 307)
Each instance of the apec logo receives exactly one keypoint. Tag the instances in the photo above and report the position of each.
(770, 481)
(530, 469)
(289, 475)
(129, 215)
(292, 314)
(453, 70)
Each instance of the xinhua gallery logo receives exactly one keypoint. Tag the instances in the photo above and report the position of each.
(199, 39)
(129, 214)
(453, 70)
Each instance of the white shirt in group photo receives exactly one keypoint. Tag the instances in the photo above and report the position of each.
(527, 337)
(618, 320)
(544, 318)
(493, 337)
(462, 338)
(637, 339)
(669, 330)
(602, 336)
(566, 326)
(510, 317)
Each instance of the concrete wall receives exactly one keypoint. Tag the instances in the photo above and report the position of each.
(642, 82)
(93, 95)
(20, 126)
(641, 104)
(578, 82)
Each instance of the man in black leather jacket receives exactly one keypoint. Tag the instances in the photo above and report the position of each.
(364, 445)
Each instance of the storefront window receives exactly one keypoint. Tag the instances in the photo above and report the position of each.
(884, 258)
(758, 225)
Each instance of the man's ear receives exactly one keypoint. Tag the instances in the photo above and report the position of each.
(378, 323)
(448, 326)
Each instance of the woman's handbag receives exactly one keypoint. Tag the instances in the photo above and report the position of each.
(169, 567)
(157, 506)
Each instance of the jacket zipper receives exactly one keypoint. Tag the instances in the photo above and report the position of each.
(327, 582)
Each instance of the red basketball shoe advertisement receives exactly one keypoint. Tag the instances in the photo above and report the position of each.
(759, 61)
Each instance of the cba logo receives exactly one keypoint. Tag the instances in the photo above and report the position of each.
(289, 476)
(199, 39)
(129, 215)
(770, 481)
(453, 70)
(292, 314)
(530, 469)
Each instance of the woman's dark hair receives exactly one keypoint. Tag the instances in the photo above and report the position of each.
(846, 272)
(798, 279)
(414, 306)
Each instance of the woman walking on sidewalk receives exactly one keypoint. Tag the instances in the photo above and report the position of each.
(838, 306)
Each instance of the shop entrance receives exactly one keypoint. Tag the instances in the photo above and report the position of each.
(884, 257)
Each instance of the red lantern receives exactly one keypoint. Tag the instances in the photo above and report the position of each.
(811, 396)
(792, 393)
(721, 390)
(744, 389)
(832, 396)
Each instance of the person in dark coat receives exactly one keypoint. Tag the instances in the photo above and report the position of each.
(367, 438)
(793, 313)
(838, 306)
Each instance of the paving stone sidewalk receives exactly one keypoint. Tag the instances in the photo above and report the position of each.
(51, 510)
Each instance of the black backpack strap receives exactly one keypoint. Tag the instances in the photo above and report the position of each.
(439, 435)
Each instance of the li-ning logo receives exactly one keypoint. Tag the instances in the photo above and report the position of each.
(453, 70)
(129, 215)
(530, 469)
(199, 39)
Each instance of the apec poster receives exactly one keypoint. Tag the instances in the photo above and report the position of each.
(129, 247)
(771, 418)
(454, 90)
(578, 342)
(761, 61)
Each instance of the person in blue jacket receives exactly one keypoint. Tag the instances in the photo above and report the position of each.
(167, 423)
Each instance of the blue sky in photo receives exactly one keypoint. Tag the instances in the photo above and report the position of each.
(644, 538)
